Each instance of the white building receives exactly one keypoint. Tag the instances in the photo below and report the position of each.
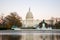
(30, 22)
(29, 19)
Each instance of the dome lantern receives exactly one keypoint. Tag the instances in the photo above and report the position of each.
(29, 14)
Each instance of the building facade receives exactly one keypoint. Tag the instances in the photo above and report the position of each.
(30, 22)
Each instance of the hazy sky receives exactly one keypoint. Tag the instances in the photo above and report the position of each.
(41, 9)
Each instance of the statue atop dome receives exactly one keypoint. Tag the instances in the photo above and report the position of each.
(29, 9)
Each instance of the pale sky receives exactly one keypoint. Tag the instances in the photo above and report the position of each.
(41, 9)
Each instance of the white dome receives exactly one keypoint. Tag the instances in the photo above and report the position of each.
(29, 14)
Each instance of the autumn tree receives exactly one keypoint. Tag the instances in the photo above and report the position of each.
(13, 20)
(57, 25)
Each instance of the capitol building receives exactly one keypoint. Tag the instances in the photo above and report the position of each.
(30, 22)
(29, 19)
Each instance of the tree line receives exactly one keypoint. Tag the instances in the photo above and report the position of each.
(11, 20)
(15, 20)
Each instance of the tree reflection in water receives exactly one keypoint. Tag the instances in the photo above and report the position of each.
(11, 37)
(58, 37)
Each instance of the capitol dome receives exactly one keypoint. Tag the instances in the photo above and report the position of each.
(29, 14)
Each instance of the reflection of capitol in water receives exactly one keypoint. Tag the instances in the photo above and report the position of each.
(32, 35)
(29, 37)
